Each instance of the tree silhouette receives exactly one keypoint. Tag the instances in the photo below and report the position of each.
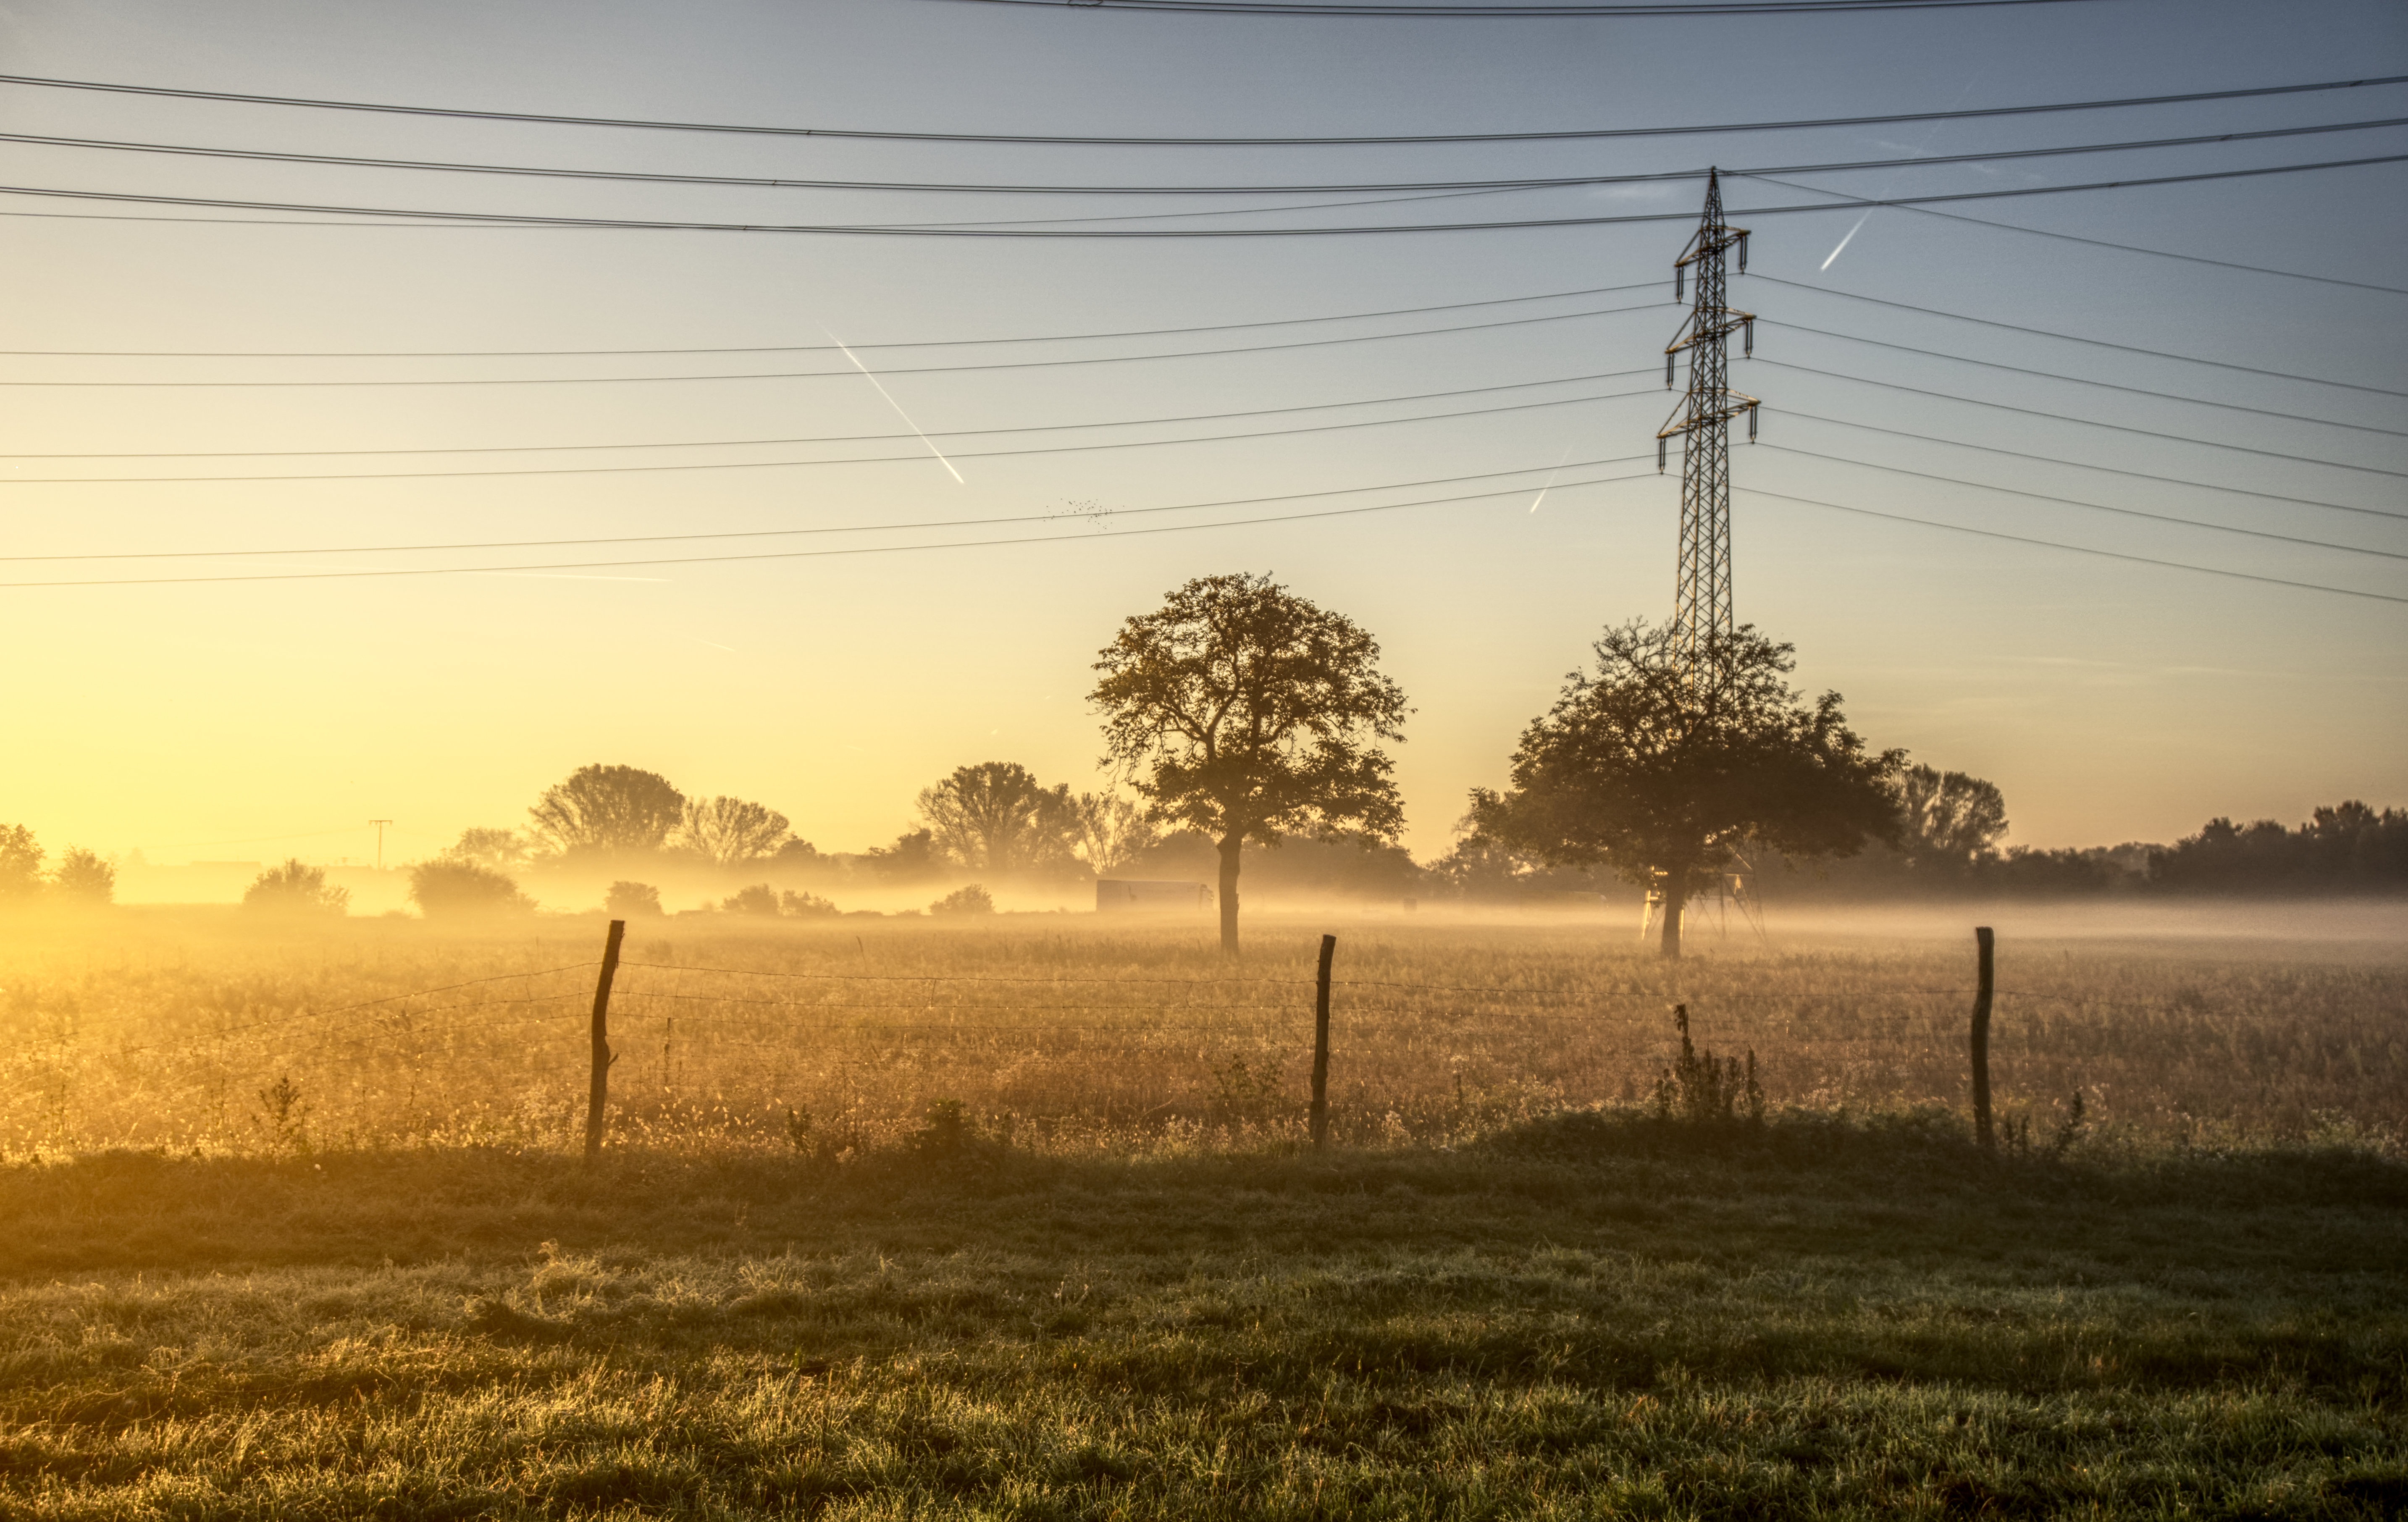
(82, 877)
(997, 818)
(607, 809)
(1112, 831)
(503, 850)
(1660, 774)
(1947, 820)
(731, 831)
(296, 889)
(1244, 711)
(21, 863)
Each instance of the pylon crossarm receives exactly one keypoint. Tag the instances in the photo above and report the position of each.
(1735, 404)
(1691, 333)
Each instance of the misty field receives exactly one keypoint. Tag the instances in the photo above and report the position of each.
(1014, 1219)
(1065, 1034)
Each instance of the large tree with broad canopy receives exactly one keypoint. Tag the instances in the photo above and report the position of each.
(1244, 711)
(1662, 768)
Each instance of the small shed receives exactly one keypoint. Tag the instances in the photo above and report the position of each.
(1123, 895)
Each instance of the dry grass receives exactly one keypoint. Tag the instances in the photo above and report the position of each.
(190, 1032)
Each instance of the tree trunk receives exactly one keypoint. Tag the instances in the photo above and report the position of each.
(1229, 847)
(1676, 897)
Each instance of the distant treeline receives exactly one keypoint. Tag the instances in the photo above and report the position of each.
(994, 822)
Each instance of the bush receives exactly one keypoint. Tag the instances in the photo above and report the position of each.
(973, 900)
(457, 889)
(807, 906)
(83, 877)
(760, 898)
(632, 901)
(296, 889)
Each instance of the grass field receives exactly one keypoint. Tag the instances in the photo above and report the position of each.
(1118, 1287)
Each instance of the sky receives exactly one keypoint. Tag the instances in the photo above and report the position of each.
(2111, 699)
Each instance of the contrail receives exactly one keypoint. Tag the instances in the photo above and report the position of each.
(1844, 242)
(1551, 479)
(899, 405)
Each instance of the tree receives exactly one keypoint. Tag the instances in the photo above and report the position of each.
(1947, 820)
(294, 889)
(607, 809)
(21, 863)
(447, 889)
(1242, 711)
(501, 850)
(1112, 830)
(731, 832)
(1662, 776)
(627, 900)
(911, 857)
(83, 877)
(995, 817)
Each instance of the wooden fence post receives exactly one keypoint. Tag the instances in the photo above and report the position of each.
(597, 1095)
(1981, 1039)
(1321, 1047)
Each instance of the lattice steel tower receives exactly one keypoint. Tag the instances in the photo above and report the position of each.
(1702, 606)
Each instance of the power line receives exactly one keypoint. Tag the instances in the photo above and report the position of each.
(2095, 507)
(819, 347)
(1660, 9)
(1569, 135)
(842, 528)
(2083, 464)
(2079, 549)
(2083, 381)
(530, 220)
(1168, 528)
(815, 554)
(808, 375)
(860, 459)
(834, 439)
(2087, 422)
(2094, 242)
(2096, 343)
(252, 155)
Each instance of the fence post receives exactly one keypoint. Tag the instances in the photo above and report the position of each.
(1981, 1039)
(597, 1095)
(1321, 1047)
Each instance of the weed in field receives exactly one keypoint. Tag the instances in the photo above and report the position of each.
(1705, 1090)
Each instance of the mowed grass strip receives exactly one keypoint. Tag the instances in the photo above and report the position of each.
(1594, 1315)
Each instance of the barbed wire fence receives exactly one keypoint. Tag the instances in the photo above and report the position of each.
(829, 1060)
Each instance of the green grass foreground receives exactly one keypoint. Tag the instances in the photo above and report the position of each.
(1595, 1316)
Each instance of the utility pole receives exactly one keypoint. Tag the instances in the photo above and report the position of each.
(1701, 604)
(379, 823)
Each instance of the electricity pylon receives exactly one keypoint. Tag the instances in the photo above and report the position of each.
(1702, 596)
(1701, 605)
